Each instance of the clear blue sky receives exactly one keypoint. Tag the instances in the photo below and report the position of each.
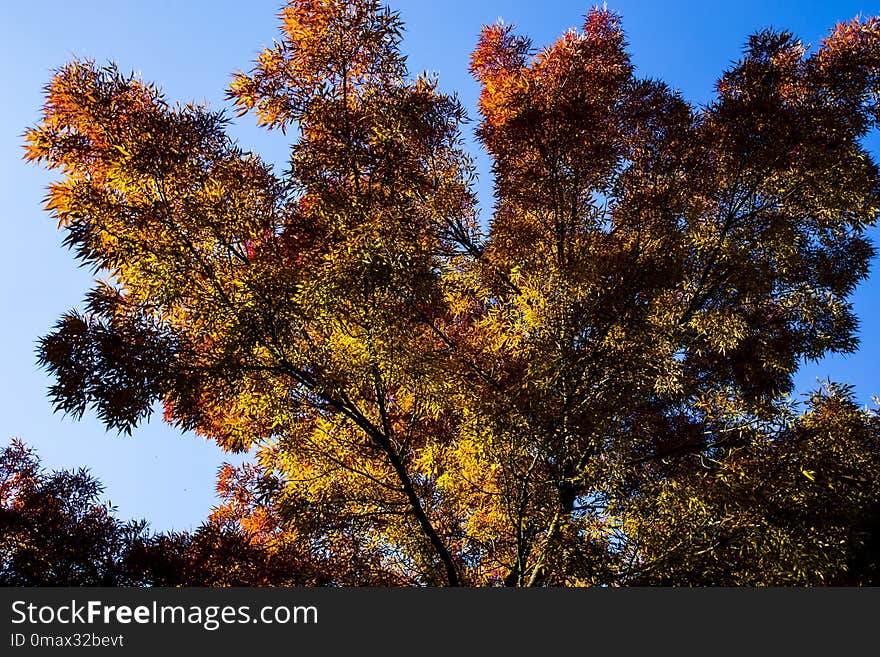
(190, 48)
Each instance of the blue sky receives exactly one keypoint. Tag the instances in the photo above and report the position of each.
(190, 49)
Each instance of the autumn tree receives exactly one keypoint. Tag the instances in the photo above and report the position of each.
(538, 400)
(56, 530)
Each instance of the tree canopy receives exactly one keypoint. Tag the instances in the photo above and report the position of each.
(590, 387)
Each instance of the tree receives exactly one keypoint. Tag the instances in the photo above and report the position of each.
(56, 531)
(460, 407)
(53, 529)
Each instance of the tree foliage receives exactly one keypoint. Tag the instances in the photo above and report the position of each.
(591, 388)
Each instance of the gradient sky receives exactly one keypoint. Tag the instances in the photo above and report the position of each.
(190, 49)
